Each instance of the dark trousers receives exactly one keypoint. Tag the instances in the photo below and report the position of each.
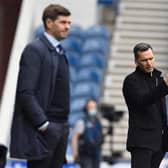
(89, 162)
(142, 157)
(57, 157)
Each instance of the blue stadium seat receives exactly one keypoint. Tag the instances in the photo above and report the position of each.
(97, 31)
(87, 89)
(39, 31)
(77, 105)
(73, 117)
(72, 44)
(105, 2)
(94, 45)
(76, 31)
(113, 3)
(73, 59)
(73, 74)
(92, 60)
(91, 74)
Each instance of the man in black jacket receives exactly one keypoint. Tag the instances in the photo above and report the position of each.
(144, 92)
(40, 130)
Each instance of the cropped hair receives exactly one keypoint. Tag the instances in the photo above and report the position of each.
(140, 47)
(52, 11)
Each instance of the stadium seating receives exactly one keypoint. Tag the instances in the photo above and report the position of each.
(86, 89)
(73, 59)
(73, 74)
(90, 74)
(87, 56)
(95, 45)
(92, 60)
(76, 32)
(105, 2)
(97, 31)
(72, 44)
(39, 31)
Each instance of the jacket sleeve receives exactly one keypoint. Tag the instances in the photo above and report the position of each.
(28, 81)
(136, 95)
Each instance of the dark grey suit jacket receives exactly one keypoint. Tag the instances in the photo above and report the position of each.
(37, 76)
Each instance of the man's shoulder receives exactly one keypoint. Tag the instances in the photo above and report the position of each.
(36, 44)
(131, 75)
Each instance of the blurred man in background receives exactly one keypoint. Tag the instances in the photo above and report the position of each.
(40, 129)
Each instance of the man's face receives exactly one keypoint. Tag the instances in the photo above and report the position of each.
(59, 27)
(145, 60)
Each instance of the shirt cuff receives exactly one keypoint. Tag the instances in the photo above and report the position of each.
(44, 126)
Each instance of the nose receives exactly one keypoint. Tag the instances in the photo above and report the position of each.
(148, 62)
(68, 25)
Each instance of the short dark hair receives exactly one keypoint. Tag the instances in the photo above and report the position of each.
(52, 11)
(140, 47)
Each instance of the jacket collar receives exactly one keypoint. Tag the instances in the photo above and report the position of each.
(47, 43)
(51, 39)
(155, 72)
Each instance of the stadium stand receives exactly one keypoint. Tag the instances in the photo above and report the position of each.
(105, 2)
(87, 61)
(92, 60)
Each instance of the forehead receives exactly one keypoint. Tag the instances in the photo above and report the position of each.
(91, 103)
(63, 18)
(145, 54)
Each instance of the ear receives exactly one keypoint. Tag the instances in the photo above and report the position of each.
(136, 63)
(49, 23)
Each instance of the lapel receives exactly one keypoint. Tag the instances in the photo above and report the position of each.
(53, 56)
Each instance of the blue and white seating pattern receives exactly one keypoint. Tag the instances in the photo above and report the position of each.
(87, 55)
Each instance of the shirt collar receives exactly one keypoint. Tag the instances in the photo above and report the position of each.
(51, 39)
(155, 72)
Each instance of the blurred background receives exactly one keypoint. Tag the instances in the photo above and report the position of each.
(99, 50)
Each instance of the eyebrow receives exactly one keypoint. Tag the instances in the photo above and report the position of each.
(147, 59)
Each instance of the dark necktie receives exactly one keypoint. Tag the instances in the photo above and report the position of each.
(60, 50)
